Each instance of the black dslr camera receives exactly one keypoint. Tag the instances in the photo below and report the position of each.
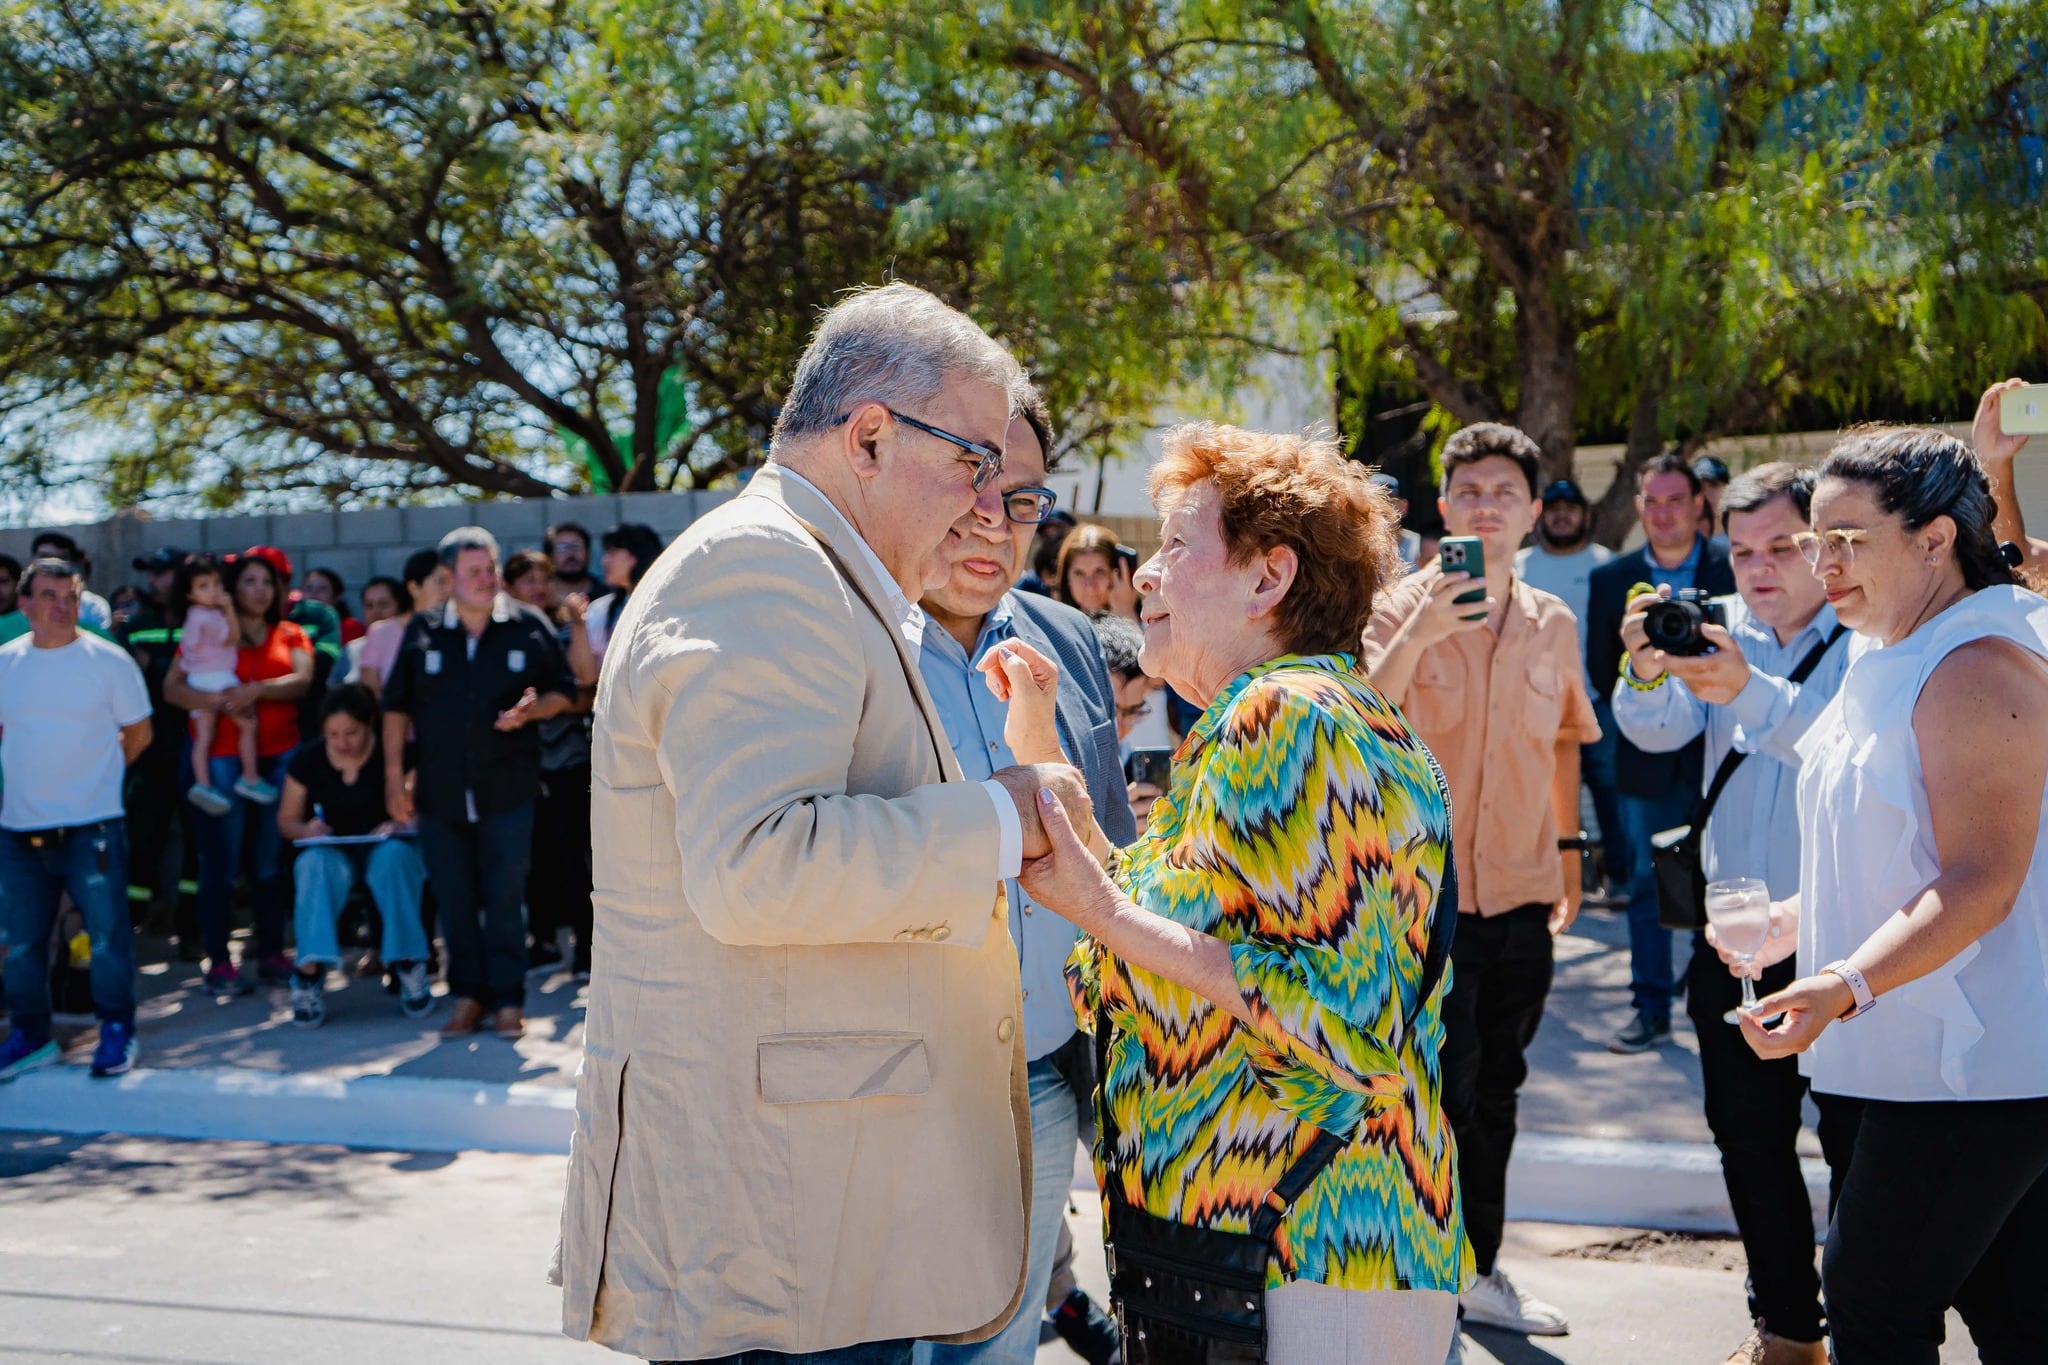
(1674, 626)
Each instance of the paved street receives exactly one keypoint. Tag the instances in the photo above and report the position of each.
(143, 1250)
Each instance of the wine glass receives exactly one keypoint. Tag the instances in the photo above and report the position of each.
(1739, 908)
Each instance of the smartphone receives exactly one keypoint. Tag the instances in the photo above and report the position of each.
(1128, 557)
(1149, 765)
(2024, 412)
(1465, 554)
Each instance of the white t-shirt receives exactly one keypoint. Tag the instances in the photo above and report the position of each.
(1567, 577)
(61, 715)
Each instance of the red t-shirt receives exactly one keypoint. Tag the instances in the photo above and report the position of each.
(277, 722)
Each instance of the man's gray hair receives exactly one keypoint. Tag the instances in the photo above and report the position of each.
(897, 345)
(465, 538)
(47, 567)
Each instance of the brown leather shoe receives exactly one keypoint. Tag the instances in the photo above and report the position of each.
(509, 1023)
(1761, 1347)
(467, 1019)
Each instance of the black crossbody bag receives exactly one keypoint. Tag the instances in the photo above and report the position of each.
(1196, 1296)
(1675, 853)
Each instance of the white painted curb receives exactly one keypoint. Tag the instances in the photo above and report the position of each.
(1612, 1182)
(399, 1113)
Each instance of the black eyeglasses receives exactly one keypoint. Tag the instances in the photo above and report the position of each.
(989, 460)
(1029, 506)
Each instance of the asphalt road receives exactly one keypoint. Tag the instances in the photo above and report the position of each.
(147, 1250)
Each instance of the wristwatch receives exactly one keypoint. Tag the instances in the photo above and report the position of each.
(1858, 987)
(1581, 842)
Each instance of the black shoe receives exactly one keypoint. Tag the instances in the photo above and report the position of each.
(1640, 1034)
(544, 956)
(1091, 1332)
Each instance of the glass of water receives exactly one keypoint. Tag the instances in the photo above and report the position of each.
(1740, 911)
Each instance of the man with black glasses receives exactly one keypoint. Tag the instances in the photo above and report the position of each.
(978, 611)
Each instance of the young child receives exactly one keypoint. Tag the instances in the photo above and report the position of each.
(206, 647)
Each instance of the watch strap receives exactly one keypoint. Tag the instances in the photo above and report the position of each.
(1858, 987)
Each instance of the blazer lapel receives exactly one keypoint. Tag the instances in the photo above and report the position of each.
(834, 535)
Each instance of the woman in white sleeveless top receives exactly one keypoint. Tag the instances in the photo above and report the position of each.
(1924, 888)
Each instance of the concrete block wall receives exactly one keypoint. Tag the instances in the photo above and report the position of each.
(361, 544)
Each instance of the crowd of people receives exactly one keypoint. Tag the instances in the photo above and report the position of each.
(418, 774)
(882, 910)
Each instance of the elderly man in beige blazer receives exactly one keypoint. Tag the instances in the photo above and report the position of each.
(802, 1130)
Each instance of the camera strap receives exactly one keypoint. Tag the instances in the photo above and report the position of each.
(1733, 758)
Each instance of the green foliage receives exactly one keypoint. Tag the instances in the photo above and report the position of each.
(1677, 219)
(365, 249)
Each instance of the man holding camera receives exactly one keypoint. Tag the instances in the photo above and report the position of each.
(1656, 789)
(1495, 691)
(1741, 693)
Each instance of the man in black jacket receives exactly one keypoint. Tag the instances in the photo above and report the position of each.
(1658, 791)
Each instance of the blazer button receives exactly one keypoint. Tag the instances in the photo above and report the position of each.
(942, 933)
(1005, 1030)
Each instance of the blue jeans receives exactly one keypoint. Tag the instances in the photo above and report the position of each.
(326, 875)
(1596, 770)
(1055, 1129)
(479, 872)
(221, 841)
(867, 1353)
(36, 869)
(1649, 944)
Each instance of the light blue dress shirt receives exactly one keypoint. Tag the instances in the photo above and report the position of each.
(1680, 578)
(1754, 830)
(973, 718)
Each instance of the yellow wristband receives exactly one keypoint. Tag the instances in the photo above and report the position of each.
(1628, 675)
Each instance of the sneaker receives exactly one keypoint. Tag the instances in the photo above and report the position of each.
(1495, 1302)
(1090, 1332)
(116, 1054)
(1640, 1034)
(257, 790)
(276, 969)
(18, 1056)
(309, 1001)
(415, 989)
(226, 980)
(209, 800)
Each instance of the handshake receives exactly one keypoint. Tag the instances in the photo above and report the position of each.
(1023, 782)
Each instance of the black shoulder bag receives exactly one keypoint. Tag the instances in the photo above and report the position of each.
(1196, 1296)
(1675, 853)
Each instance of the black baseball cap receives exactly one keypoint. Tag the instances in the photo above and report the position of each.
(160, 561)
(1564, 490)
(1710, 469)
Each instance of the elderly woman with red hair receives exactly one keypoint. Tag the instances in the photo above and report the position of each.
(1263, 965)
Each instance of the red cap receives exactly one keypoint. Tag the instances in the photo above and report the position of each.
(274, 557)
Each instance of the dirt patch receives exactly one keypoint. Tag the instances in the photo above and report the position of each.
(1687, 1251)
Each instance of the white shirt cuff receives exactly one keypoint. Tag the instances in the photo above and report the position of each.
(1010, 831)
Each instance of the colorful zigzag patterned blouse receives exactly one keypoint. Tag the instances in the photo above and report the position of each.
(1303, 827)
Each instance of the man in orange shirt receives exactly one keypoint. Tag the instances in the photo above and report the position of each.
(1497, 691)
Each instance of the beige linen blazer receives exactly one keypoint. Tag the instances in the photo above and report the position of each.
(802, 1120)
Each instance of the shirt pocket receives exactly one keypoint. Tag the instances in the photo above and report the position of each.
(1436, 699)
(1543, 699)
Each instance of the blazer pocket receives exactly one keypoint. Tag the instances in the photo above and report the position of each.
(813, 1068)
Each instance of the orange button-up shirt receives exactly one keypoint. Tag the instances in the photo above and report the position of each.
(1493, 709)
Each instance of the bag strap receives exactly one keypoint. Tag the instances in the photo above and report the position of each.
(1733, 758)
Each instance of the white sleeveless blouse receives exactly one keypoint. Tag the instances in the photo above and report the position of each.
(1977, 1027)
